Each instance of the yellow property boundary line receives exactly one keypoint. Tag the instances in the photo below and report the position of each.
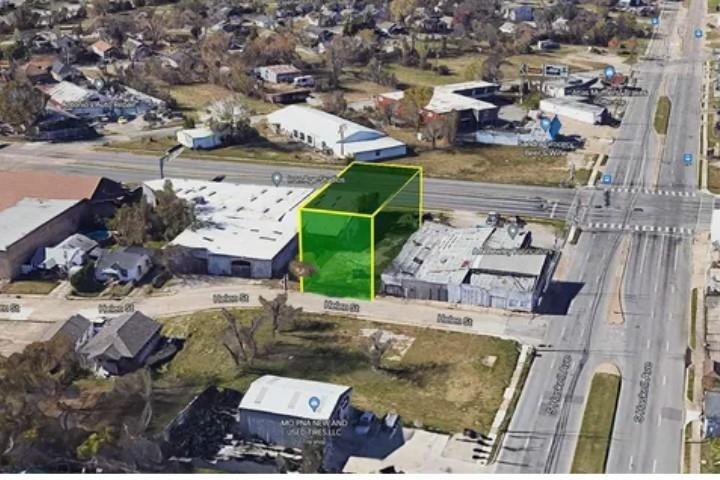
(303, 208)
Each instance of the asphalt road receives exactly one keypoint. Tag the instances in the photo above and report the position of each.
(632, 262)
(631, 272)
(78, 158)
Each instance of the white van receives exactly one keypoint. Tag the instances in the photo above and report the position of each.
(304, 81)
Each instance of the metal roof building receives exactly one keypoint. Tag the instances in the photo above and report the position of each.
(290, 412)
(246, 230)
(483, 265)
(329, 133)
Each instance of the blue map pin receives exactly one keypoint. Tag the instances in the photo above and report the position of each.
(655, 21)
(609, 72)
(314, 403)
(545, 124)
(698, 33)
(688, 158)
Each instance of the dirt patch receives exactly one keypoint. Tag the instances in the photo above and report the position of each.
(400, 343)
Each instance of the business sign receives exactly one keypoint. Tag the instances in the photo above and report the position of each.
(607, 179)
(556, 70)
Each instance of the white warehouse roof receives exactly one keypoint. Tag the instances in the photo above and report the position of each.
(27, 215)
(250, 221)
(325, 127)
(291, 397)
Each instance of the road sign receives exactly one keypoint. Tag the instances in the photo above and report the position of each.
(606, 179)
(655, 21)
(556, 70)
(523, 69)
(688, 159)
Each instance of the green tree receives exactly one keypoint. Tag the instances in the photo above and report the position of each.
(173, 214)
(20, 105)
(131, 223)
(414, 100)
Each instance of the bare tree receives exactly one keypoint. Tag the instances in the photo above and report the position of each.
(335, 103)
(377, 348)
(279, 312)
(435, 129)
(239, 340)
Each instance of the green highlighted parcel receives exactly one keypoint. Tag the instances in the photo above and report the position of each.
(352, 228)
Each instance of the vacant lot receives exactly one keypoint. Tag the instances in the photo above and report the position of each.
(710, 462)
(440, 381)
(194, 98)
(596, 431)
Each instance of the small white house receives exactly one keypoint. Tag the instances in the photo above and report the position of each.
(123, 265)
(203, 138)
(335, 135)
(278, 73)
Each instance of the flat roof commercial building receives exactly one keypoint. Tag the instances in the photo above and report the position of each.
(349, 228)
(483, 265)
(576, 109)
(335, 135)
(246, 230)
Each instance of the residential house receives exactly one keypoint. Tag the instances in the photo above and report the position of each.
(520, 13)
(38, 70)
(335, 135)
(74, 251)
(123, 344)
(137, 50)
(76, 329)
(508, 28)
(39, 209)
(126, 264)
(105, 50)
(278, 73)
(62, 71)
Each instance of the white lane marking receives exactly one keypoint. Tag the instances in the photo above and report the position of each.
(664, 379)
(552, 214)
(659, 420)
(647, 344)
(654, 465)
(667, 345)
(630, 463)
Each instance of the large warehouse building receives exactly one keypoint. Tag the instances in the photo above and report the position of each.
(483, 265)
(335, 135)
(245, 230)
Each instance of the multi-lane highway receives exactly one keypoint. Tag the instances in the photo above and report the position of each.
(632, 267)
(628, 276)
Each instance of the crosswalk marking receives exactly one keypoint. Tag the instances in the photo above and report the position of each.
(597, 226)
(647, 191)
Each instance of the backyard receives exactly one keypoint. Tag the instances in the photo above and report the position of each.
(440, 380)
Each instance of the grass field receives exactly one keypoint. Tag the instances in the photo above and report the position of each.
(485, 163)
(30, 287)
(596, 431)
(710, 456)
(662, 115)
(194, 98)
(714, 178)
(439, 381)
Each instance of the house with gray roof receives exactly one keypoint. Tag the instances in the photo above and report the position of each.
(76, 329)
(123, 344)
